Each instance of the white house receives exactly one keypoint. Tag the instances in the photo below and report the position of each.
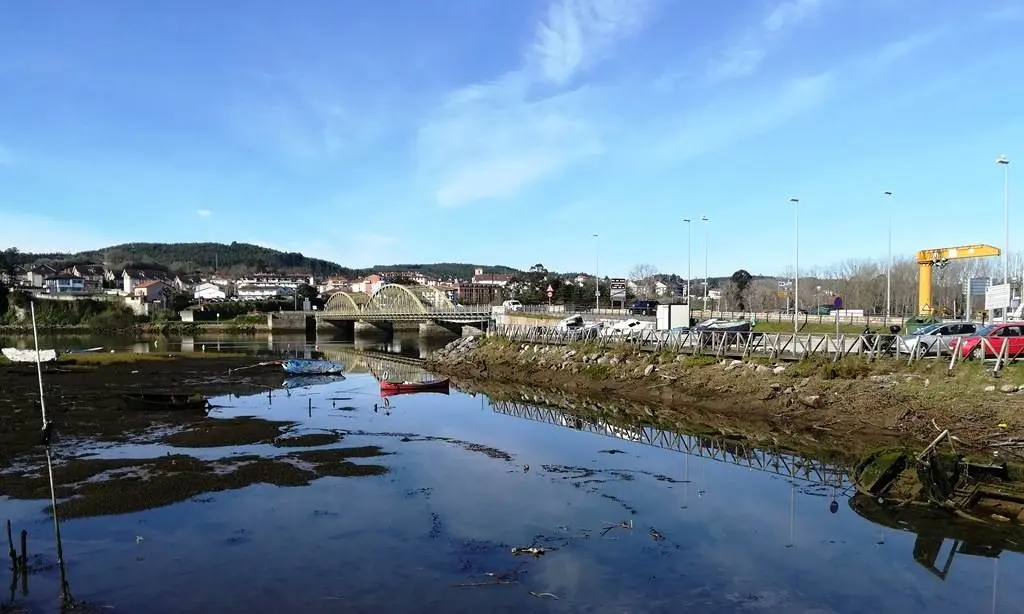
(63, 282)
(209, 291)
(133, 277)
(262, 292)
(150, 290)
(36, 276)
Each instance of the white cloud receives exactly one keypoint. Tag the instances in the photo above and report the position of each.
(491, 139)
(204, 212)
(746, 56)
(39, 234)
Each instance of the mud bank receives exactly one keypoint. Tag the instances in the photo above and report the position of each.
(853, 405)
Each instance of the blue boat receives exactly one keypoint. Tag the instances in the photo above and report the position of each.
(312, 366)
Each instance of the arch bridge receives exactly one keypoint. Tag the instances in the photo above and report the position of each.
(398, 302)
(713, 447)
(376, 363)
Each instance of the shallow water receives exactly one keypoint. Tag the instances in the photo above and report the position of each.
(468, 481)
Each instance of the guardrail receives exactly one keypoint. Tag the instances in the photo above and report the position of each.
(777, 346)
(458, 314)
(703, 314)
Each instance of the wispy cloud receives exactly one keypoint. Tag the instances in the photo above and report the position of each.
(746, 56)
(1011, 11)
(204, 212)
(489, 140)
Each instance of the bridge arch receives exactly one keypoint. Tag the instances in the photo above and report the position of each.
(398, 298)
(343, 302)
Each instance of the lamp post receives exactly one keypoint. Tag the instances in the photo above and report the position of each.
(796, 264)
(707, 232)
(597, 278)
(888, 266)
(689, 256)
(1005, 162)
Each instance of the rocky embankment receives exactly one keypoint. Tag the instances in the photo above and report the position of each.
(874, 403)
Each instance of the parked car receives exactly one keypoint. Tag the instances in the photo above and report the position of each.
(988, 341)
(930, 338)
(512, 305)
(644, 308)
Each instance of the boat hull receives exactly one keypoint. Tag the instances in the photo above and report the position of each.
(396, 388)
(298, 366)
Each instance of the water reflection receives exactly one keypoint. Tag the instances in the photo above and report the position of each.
(701, 521)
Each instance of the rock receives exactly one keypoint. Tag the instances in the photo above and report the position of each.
(732, 366)
(649, 369)
(762, 369)
(788, 390)
(812, 400)
(778, 369)
(1009, 388)
(989, 388)
(603, 360)
(776, 386)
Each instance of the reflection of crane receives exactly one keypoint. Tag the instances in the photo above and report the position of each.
(940, 257)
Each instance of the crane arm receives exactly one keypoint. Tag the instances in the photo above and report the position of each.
(931, 256)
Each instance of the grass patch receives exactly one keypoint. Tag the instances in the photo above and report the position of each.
(119, 358)
(807, 328)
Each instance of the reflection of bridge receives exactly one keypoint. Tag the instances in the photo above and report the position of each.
(399, 368)
(714, 447)
(396, 303)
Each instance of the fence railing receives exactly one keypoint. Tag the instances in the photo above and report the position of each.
(703, 314)
(777, 346)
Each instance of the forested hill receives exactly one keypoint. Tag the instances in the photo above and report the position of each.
(233, 259)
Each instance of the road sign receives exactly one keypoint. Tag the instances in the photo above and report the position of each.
(976, 286)
(998, 297)
(838, 303)
(550, 292)
(617, 288)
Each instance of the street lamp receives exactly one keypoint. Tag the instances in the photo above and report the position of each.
(888, 267)
(796, 264)
(707, 232)
(689, 256)
(597, 279)
(1005, 162)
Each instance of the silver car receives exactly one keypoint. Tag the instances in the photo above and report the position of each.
(934, 338)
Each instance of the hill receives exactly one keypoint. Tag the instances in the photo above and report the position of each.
(233, 259)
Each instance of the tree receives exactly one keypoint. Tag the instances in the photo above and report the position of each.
(306, 291)
(642, 275)
(738, 288)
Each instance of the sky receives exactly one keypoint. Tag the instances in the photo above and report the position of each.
(501, 132)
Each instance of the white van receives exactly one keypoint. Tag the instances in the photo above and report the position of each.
(512, 305)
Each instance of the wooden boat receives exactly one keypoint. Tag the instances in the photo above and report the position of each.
(159, 401)
(312, 366)
(388, 389)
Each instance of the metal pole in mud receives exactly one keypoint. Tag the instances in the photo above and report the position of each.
(39, 363)
(65, 590)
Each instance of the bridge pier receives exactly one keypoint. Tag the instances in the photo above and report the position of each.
(343, 331)
(376, 328)
(432, 328)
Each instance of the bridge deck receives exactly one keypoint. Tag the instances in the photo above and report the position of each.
(444, 315)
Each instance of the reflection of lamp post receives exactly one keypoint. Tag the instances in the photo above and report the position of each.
(792, 507)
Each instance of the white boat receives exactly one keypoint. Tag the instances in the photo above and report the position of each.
(16, 355)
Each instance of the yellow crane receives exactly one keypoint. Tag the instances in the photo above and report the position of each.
(929, 258)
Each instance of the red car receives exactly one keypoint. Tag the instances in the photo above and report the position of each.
(995, 336)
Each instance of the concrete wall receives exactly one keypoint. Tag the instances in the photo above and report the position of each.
(289, 321)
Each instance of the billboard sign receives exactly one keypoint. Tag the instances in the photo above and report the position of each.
(998, 297)
(617, 289)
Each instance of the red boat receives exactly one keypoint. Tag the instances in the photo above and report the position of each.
(388, 389)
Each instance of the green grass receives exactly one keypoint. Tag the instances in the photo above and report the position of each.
(810, 328)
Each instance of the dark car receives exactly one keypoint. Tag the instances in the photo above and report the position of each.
(643, 308)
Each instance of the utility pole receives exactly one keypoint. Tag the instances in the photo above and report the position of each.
(888, 266)
(689, 257)
(707, 232)
(597, 278)
(796, 264)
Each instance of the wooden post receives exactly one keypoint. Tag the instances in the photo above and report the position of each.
(10, 547)
(24, 551)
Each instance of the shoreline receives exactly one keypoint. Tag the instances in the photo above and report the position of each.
(852, 405)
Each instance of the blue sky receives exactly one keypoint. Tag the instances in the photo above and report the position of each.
(496, 131)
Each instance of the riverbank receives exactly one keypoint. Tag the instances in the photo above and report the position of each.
(853, 404)
(145, 328)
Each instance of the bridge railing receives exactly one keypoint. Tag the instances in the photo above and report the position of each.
(706, 446)
(457, 313)
(778, 346)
